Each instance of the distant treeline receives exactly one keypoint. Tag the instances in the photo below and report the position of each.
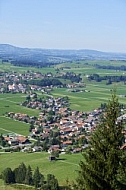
(32, 63)
(43, 82)
(110, 79)
(72, 76)
(112, 67)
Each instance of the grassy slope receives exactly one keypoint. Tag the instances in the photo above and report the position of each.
(8, 125)
(11, 103)
(65, 168)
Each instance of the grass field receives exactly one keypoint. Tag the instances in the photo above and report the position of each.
(87, 67)
(7, 67)
(88, 101)
(8, 125)
(84, 67)
(11, 103)
(64, 168)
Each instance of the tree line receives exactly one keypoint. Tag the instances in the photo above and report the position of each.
(72, 76)
(111, 67)
(109, 79)
(32, 62)
(24, 175)
(43, 82)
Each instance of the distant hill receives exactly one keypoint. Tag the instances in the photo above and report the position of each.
(53, 56)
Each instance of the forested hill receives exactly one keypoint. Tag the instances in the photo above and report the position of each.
(39, 56)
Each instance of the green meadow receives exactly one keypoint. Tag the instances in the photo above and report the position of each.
(11, 103)
(64, 169)
(96, 94)
(82, 67)
(8, 125)
(10, 68)
(87, 67)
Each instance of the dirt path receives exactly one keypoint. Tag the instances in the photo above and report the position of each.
(68, 162)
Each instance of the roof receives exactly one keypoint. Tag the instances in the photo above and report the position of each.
(21, 139)
(123, 147)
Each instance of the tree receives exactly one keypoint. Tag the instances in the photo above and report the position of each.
(8, 176)
(28, 176)
(42, 180)
(28, 98)
(36, 177)
(122, 170)
(55, 154)
(103, 159)
(31, 127)
(20, 173)
(52, 182)
(2, 141)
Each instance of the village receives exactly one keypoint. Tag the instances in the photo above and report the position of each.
(14, 82)
(57, 128)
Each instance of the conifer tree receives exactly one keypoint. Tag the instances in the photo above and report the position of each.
(28, 176)
(52, 182)
(102, 160)
(8, 176)
(20, 173)
(36, 177)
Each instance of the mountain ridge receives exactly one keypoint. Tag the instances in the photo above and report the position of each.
(8, 51)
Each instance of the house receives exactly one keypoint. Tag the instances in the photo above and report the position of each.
(52, 158)
(22, 140)
(76, 150)
(66, 130)
(123, 147)
(54, 148)
(13, 142)
(37, 149)
(66, 143)
(7, 139)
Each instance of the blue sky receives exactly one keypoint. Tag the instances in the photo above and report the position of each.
(64, 24)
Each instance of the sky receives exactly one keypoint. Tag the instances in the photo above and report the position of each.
(64, 24)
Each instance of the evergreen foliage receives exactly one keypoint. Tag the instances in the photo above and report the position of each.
(8, 176)
(52, 182)
(36, 177)
(28, 176)
(20, 173)
(104, 161)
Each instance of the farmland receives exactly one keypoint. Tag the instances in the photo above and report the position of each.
(90, 98)
(96, 94)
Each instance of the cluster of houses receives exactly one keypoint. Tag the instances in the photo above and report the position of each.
(14, 140)
(48, 103)
(13, 82)
(71, 125)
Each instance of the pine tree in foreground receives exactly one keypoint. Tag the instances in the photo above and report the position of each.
(104, 160)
